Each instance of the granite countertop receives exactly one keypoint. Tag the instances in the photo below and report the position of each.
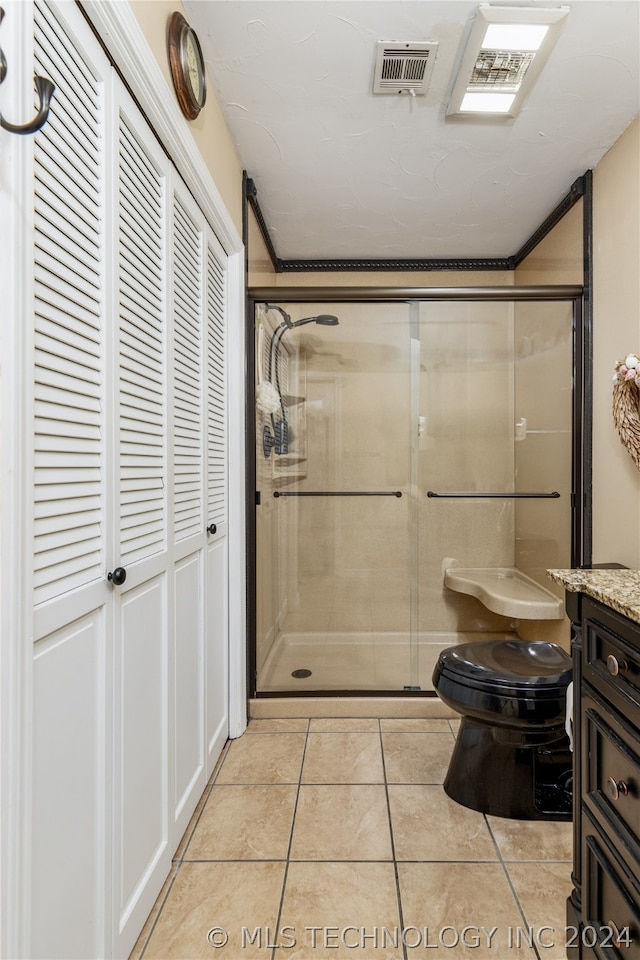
(619, 589)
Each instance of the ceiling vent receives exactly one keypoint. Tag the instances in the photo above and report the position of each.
(403, 66)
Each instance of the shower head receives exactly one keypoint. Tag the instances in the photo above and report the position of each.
(280, 437)
(323, 319)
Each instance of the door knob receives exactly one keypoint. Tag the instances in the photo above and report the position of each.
(211, 528)
(118, 576)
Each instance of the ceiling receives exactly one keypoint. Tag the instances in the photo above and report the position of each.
(342, 173)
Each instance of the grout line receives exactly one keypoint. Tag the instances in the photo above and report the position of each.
(509, 881)
(205, 798)
(393, 846)
(293, 824)
(161, 908)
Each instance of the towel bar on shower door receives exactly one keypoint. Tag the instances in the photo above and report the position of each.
(498, 496)
(338, 493)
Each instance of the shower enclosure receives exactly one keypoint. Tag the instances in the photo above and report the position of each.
(409, 450)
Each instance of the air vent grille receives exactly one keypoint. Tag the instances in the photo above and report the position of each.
(500, 68)
(403, 66)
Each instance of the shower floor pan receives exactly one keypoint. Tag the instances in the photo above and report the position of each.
(356, 661)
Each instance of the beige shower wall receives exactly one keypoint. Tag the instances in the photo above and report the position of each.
(543, 367)
(466, 399)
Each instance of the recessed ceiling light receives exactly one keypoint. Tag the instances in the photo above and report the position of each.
(506, 50)
(514, 36)
(487, 102)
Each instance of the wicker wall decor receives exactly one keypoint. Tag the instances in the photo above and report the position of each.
(626, 399)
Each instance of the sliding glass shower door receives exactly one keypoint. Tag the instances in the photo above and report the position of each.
(334, 521)
(396, 441)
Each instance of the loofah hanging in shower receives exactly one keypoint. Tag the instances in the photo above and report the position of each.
(626, 400)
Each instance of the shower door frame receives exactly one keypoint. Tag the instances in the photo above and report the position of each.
(582, 422)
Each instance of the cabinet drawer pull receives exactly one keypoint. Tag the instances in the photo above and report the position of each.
(616, 788)
(615, 666)
(620, 937)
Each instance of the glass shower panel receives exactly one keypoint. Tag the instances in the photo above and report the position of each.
(394, 442)
(335, 423)
(495, 408)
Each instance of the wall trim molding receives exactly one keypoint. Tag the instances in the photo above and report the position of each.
(417, 264)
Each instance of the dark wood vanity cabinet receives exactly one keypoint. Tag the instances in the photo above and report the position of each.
(603, 911)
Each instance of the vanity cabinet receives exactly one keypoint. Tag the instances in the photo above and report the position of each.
(603, 916)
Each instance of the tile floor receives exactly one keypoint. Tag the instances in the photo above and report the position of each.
(329, 838)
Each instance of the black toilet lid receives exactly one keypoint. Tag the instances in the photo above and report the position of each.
(517, 663)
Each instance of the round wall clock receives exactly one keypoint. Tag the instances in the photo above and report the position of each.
(187, 66)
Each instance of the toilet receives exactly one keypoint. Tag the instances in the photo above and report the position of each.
(512, 756)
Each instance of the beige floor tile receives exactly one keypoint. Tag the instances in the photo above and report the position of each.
(336, 724)
(269, 758)
(226, 895)
(141, 942)
(416, 757)
(455, 727)
(341, 822)
(245, 822)
(459, 904)
(350, 757)
(279, 725)
(532, 839)
(415, 725)
(337, 897)
(542, 889)
(428, 825)
(186, 836)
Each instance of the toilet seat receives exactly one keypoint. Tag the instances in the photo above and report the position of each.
(517, 683)
(508, 666)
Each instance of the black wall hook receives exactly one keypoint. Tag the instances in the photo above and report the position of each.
(45, 90)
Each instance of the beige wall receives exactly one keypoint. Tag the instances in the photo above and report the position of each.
(557, 258)
(616, 327)
(260, 268)
(209, 130)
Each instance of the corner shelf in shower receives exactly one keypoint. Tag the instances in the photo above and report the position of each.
(505, 590)
(289, 468)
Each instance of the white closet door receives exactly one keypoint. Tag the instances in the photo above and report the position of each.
(188, 534)
(142, 849)
(130, 686)
(69, 892)
(217, 625)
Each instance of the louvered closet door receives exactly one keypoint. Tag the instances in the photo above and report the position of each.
(69, 884)
(142, 838)
(188, 535)
(216, 706)
(130, 688)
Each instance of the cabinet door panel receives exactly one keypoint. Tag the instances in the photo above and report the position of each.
(217, 707)
(68, 871)
(188, 658)
(142, 855)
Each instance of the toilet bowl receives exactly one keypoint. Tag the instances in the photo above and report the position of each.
(512, 755)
